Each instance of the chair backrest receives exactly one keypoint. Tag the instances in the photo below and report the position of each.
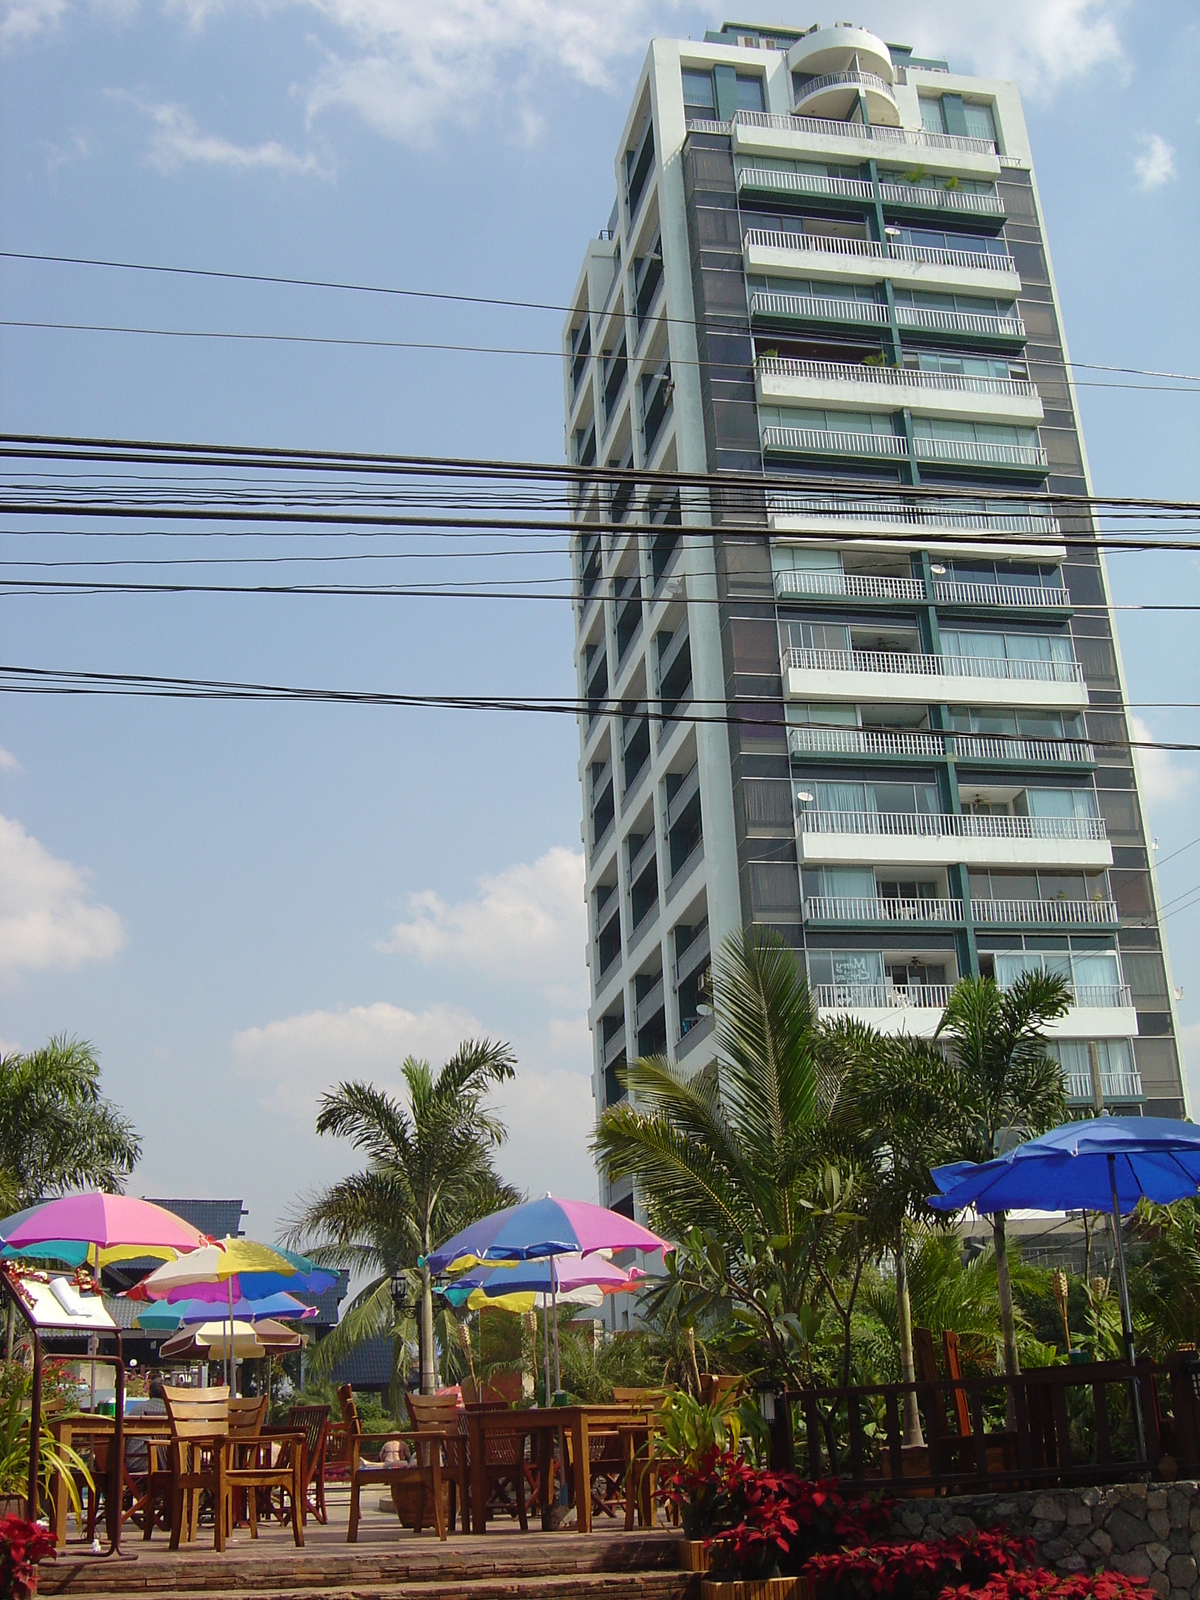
(924, 1359)
(313, 1423)
(962, 1410)
(247, 1415)
(625, 1395)
(350, 1414)
(432, 1412)
(197, 1413)
(714, 1386)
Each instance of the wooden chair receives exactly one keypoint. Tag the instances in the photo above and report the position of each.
(313, 1423)
(199, 1421)
(424, 1473)
(714, 1386)
(442, 1415)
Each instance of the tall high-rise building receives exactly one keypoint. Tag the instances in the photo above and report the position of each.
(867, 689)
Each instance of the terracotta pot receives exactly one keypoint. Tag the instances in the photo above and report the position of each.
(694, 1555)
(755, 1589)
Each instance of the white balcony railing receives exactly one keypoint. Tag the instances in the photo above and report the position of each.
(1102, 996)
(881, 996)
(844, 80)
(932, 319)
(825, 441)
(820, 127)
(948, 592)
(949, 825)
(1113, 1086)
(833, 244)
(966, 746)
(919, 194)
(924, 515)
(977, 453)
(816, 308)
(842, 908)
(804, 183)
(1044, 911)
(932, 666)
(894, 377)
(856, 584)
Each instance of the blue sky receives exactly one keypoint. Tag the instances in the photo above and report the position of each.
(240, 904)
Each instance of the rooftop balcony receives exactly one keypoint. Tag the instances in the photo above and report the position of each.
(775, 307)
(817, 510)
(915, 838)
(836, 94)
(868, 387)
(900, 744)
(775, 134)
(903, 675)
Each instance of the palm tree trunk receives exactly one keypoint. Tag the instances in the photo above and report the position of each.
(1012, 1363)
(908, 1371)
(425, 1334)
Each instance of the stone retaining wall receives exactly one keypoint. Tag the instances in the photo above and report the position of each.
(1149, 1531)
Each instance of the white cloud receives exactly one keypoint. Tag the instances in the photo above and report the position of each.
(295, 1059)
(1156, 163)
(21, 20)
(1162, 777)
(527, 922)
(176, 141)
(46, 918)
(9, 762)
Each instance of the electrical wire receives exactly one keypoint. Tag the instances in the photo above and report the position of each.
(421, 294)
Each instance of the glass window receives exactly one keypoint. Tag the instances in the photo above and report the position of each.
(931, 114)
(981, 124)
(841, 797)
(750, 93)
(698, 95)
(1059, 803)
(851, 883)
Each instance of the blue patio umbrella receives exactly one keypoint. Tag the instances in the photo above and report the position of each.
(1099, 1164)
(164, 1316)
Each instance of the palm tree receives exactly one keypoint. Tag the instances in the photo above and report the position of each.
(1008, 1086)
(726, 1159)
(57, 1131)
(429, 1172)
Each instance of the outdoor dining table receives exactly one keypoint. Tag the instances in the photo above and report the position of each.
(544, 1425)
(82, 1428)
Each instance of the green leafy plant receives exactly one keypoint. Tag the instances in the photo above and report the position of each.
(53, 1456)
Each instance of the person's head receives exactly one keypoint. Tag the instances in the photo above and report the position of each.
(156, 1388)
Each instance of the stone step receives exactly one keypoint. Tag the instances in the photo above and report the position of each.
(514, 1586)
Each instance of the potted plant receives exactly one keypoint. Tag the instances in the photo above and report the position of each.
(53, 1457)
(23, 1545)
(690, 1441)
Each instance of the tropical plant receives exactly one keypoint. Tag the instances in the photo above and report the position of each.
(57, 1131)
(727, 1160)
(1165, 1286)
(429, 1173)
(54, 1457)
(1009, 1087)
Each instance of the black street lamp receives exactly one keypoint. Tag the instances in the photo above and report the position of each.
(401, 1301)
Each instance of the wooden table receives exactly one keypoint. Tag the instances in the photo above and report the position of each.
(545, 1425)
(76, 1428)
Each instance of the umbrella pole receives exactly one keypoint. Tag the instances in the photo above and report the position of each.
(546, 1334)
(229, 1368)
(554, 1303)
(1126, 1312)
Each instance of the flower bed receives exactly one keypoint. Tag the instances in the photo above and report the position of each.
(22, 1546)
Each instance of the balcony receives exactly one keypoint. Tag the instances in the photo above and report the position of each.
(959, 202)
(975, 453)
(900, 675)
(881, 996)
(1045, 913)
(966, 747)
(960, 324)
(851, 585)
(847, 383)
(829, 255)
(749, 126)
(921, 516)
(826, 442)
(841, 908)
(836, 94)
(767, 303)
(766, 180)
(914, 838)
(1026, 597)
(1113, 1086)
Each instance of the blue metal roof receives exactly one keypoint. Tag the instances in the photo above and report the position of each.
(217, 1218)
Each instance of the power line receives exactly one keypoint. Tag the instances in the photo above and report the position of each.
(478, 349)
(422, 294)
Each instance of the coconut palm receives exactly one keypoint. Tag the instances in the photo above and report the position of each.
(429, 1173)
(57, 1131)
(727, 1159)
(1009, 1088)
